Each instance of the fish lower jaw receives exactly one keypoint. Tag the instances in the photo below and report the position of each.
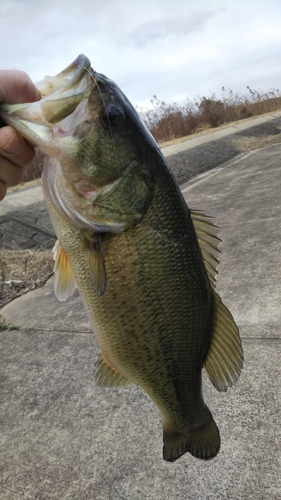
(39, 135)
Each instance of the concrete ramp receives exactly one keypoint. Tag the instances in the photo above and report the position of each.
(63, 438)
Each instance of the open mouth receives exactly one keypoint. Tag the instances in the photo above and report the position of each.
(66, 79)
(60, 109)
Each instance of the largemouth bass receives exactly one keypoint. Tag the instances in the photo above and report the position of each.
(144, 263)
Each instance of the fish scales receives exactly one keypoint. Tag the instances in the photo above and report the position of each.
(151, 294)
(144, 263)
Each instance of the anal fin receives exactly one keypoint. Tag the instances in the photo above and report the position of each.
(107, 376)
(224, 360)
(64, 278)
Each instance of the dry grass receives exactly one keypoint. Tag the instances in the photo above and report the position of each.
(24, 185)
(170, 121)
(22, 271)
(251, 143)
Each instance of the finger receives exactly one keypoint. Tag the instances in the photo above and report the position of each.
(16, 87)
(15, 148)
(10, 173)
(3, 190)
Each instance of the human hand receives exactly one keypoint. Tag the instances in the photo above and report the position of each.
(15, 152)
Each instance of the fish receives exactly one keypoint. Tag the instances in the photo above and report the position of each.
(144, 263)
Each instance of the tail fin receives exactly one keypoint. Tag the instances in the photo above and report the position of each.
(202, 442)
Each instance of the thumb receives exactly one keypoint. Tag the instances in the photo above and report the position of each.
(16, 87)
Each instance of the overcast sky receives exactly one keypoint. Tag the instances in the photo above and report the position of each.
(172, 48)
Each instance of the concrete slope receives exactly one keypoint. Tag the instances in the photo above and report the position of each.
(63, 438)
(24, 221)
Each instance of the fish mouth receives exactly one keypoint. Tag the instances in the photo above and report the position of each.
(66, 79)
(59, 112)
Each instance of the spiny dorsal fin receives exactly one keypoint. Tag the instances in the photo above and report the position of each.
(224, 360)
(64, 278)
(107, 376)
(208, 241)
(96, 263)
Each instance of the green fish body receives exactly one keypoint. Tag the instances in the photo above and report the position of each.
(144, 263)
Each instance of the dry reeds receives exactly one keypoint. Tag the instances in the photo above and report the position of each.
(170, 121)
(23, 270)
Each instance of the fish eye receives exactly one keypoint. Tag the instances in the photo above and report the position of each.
(112, 116)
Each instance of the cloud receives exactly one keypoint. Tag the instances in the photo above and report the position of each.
(156, 29)
(172, 49)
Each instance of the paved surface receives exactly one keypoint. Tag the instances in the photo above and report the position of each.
(25, 223)
(200, 154)
(63, 438)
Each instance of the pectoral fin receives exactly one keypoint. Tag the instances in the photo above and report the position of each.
(95, 257)
(224, 360)
(64, 278)
(107, 376)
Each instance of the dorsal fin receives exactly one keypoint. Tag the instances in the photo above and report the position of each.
(64, 278)
(208, 241)
(107, 376)
(224, 360)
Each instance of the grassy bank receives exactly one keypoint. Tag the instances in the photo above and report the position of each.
(22, 271)
(170, 121)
